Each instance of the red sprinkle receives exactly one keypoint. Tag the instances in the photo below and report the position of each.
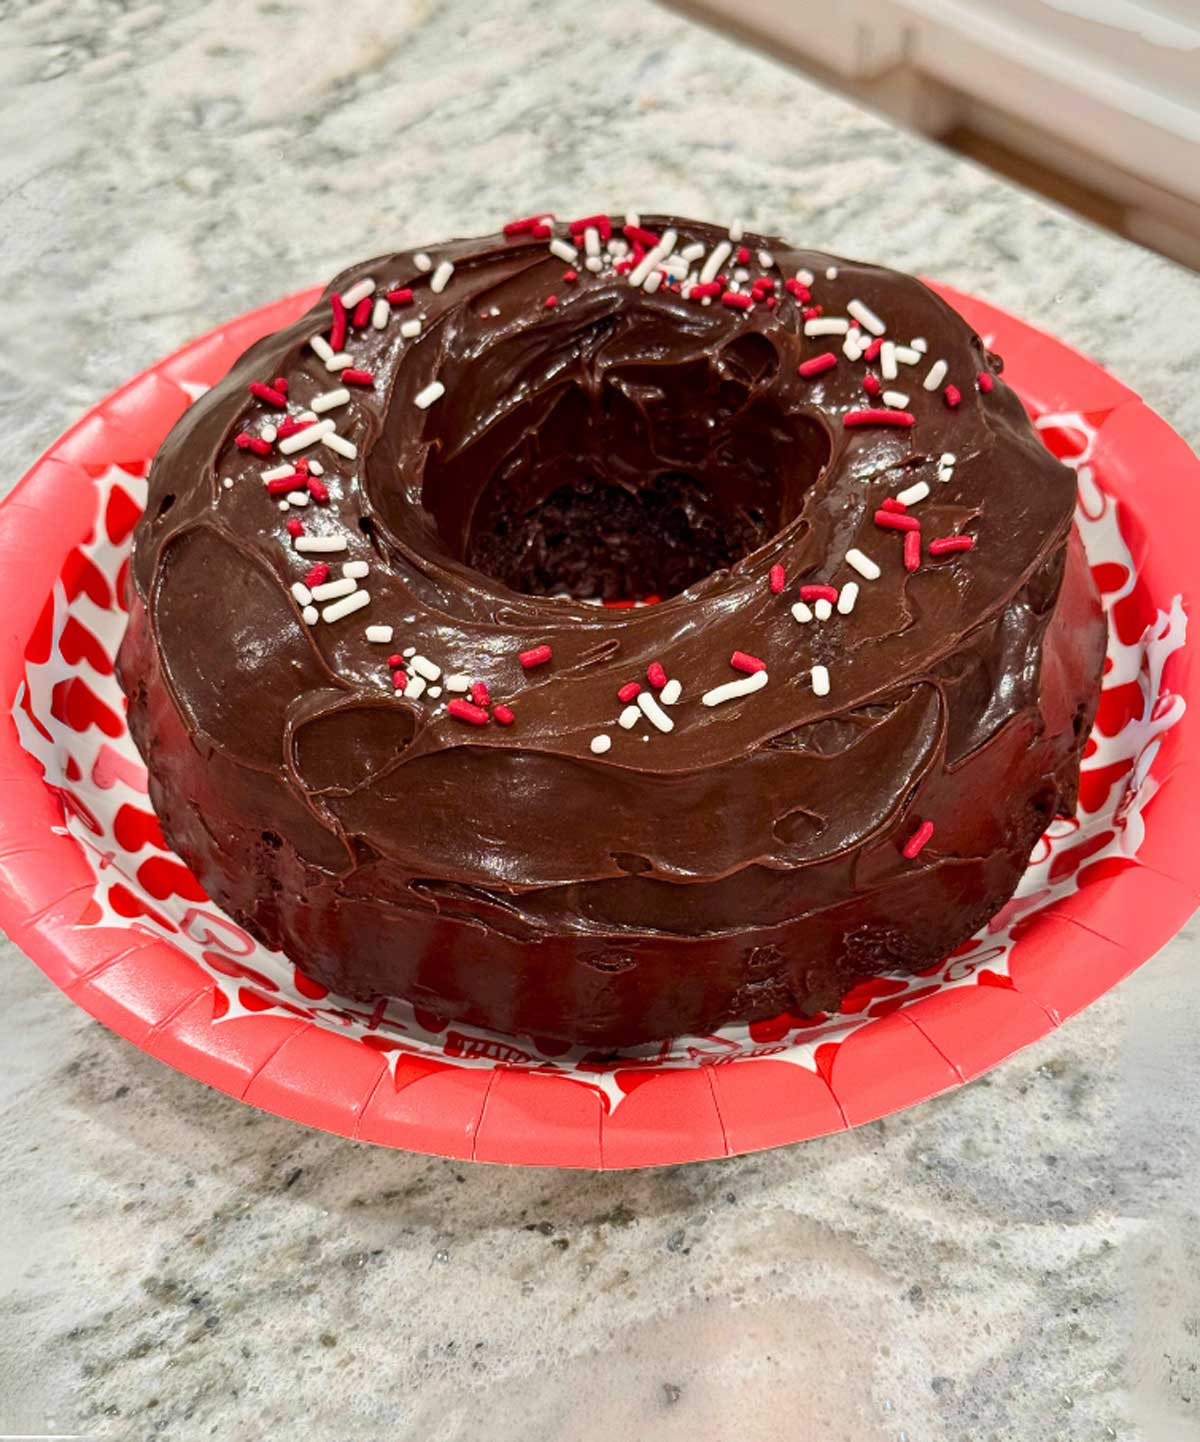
(877, 418)
(743, 254)
(984, 381)
(708, 287)
(628, 692)
(818, 593)
(764, 282)
(740, 661)
(480, 694)
(504, 715)
(396, 662)
(535, 656)
(892, 521)
(871, 384)
(817, 364)
(891, 504)
(623, 267)
(551, 302)
(798, 289)
(465, 711)
(656, 675)
(600, 222)
(295, 528)
(912, 550)
(290, 425)
(541, 230)
(771, 302)
(246, 442)
(399, 680)
(268, 394)
(403, 296)
(524, 225)
(777, 577)
(918, 839)
(294, 482)
(280, 384)
(873, 349)
(362, 312)
(570, 275)
(354, 377)
(947, 545)
(813, 312)
(638, 236)
(337, 332)
(318, 490)
(317, 576)
(735, 301)
(953, 396)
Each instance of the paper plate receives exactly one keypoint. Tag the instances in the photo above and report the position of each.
(89, 890)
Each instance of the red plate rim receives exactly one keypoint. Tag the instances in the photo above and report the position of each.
(150, 993)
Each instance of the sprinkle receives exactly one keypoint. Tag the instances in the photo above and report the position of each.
(295, 529)
(823, 610)
(905, 355)
(359, 291)
(916, 842)
(820, 680)
(400, 680)
(984, 381)
(361, 314)
(936, 375)
(852, 345)
(403, 296)
(246, 442)
(600, 744)
(731, 690)
(381, 634)
(337, 331)
(351, 376)
(409, 652)
(847, 597)
(268, 433)
(671, 692)
(340, 446)
(645, 238)
(805, 276)
(627, 692)
(320, 545)
(693, 251)
(947, 545)
(817, 364)
(873, 349)
(831, 272)
(564, 250)
(301, 592)
(914, 493)
(888, 504)
(895, 398)
(953, 396)
(894, 521)
(306, 436)
(736, 301)
(863, 564)
(716, 259)
(310, 615)
(315, 467)
(329, 400)
(766, 259)
(535, 656)
(268, 394)
(740, 661)
(339, 361)
(871, 385)
(830, 325)
(651, 259)
(414, 688)
(652, 282)
(441, 277)
(591, 240)
(480, 694)
(866, 317)
(912, 550)
(777, 579)
(410, 328)
(317, 574)
(380, 314)
(887, 360)
(346, 606)
(802, 613)
(331, 590)
(818, 592)
(628, 718)
(525, 224)
(570, 276)
(316, 489)
(458, 682)
(424, 667)
(656, 675)
(877, 418)
(434, 391)
(704, 291)
(503, 715)
(356, 569)
(422, 262)
(919, 344)
(736, 231)
(434, 691)
(321, 346)
(464, 711)
(654, 713)
(947, 458)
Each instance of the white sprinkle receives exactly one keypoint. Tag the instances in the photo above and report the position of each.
(693, 251)
(741, 275)
(671, 692)
(628, 718)
(434, 391)
(600, 744)
(435, 692)
(315, 468)
(802, 612)
(302, 594)
(415, 688)
(619, 248)
(309, 436)
(831, 272)
(594, 264)
(820, 680)
(380, 314)
(458, 682)
(330, 400)
(358, 291)
(654, 713)
(495, 310)
(268, 433)
(356, 570)
(805, 276)
(897, 399)
(307, 416)
(340, 361)
(914, 493)
(422, 261)
(766, 259)
(298, 498)
(852, 346)
(736, 230)
(947, 458)
(823, 608)
(381, 634)
(564, 250)
(907, 356)
(937, 374)
(321, 346)
(632, 218)
(675, 266)
(409, 652)
(228, 483)
(310, 615)
(424, 667)
(441, 277)
(277, 473)
(866, 317)
(284, 506)
(717, 257)
(864, 565)
(650, 260)
(920, 344)
(591, 240)
(847, 597)
(731, 690)
(653, 281)
(346, 606)
(410, 328)
(341, 446)
(331, 590)
(320, 545)
(887, 360)
(830, 325)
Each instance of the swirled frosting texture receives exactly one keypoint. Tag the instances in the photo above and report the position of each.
(613, 443)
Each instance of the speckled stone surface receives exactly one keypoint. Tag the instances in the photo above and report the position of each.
(1017, 1260)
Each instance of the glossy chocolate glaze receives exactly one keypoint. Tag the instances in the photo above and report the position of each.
(615, 443)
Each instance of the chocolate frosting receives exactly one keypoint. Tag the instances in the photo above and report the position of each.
(598, 442)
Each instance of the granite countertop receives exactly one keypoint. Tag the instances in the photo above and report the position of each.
(1016, 1260)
